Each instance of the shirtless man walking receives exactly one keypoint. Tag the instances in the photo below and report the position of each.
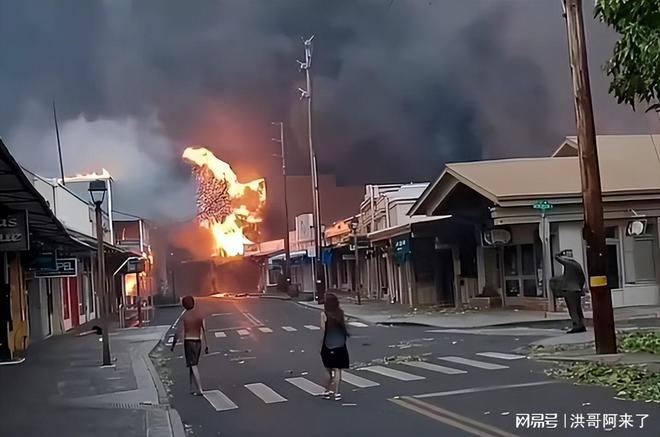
(194, 327)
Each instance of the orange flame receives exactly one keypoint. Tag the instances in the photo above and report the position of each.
(228, 209)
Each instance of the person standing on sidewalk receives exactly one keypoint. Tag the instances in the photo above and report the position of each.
(194, 329)
(334, 352)
(571, 285)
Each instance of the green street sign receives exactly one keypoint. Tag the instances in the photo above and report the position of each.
(543, 205)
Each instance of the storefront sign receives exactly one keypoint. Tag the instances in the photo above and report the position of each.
(135, 265)
(401, 248)
(495, 237)
(14, 235)
(65, 268)
(43, 260)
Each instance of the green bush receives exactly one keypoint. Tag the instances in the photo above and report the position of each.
(640, 342)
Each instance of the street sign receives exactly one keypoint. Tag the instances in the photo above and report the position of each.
(66, 268)
(542, 205)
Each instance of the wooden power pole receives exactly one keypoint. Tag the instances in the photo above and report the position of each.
(594, 229)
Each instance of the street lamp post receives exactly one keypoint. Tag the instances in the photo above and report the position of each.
(287, 243)
(305, 66)
(97, 191)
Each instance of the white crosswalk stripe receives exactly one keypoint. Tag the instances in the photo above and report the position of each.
(220, 334)
(434, 367)
(265, 393)
(306, 385)
(264, 329)
(358, 324)
(312, 327)
(473, 363)
(243, 332)
(357, 381)
(500, 355)
(289, 328)
(219, 400)
(393, 373)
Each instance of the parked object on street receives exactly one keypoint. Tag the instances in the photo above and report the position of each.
(194, 329)
(334, 352)
(570, 286)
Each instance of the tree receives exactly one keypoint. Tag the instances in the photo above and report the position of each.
(635, 65)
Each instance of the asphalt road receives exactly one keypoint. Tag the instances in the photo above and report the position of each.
(409, 380)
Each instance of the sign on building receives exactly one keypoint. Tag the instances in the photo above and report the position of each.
(495, 237)
(14, 235)
(135, 265)
(65, 268)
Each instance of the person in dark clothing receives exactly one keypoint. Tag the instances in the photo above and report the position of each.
(334, 352)
(571, 285)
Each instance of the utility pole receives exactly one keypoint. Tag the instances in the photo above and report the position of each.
(594, 229)
(319, 289)
(287, 243)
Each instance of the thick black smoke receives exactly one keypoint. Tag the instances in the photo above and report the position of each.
(400, 87)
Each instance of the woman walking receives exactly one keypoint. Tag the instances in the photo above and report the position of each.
(334, 353)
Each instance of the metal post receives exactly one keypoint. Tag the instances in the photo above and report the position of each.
(357, 270)
(594, 230)
(287, 243)
(138, 299)
(319, 290)
(100, 284)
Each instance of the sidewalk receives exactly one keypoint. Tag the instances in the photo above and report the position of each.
(60, 389)
(386, 313)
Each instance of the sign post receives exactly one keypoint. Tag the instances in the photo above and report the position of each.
(544, 206)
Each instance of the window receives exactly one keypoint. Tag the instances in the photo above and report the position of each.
(520, 271)
(644, 256)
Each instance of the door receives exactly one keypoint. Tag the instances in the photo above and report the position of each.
(444, 277)
(35, 310)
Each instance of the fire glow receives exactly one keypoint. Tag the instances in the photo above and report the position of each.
(224, 205)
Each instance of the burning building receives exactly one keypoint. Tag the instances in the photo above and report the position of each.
(229, 209)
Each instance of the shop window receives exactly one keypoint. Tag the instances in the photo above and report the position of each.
(65, 299)
(644, 256)
(520, 271)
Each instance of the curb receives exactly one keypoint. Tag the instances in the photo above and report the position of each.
(176, 424)
(275, 297)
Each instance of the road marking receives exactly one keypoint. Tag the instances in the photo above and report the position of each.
(450, 418)
(264, 329)
(393, 373)
(357, 381)
(221, 314)
(306, 385)
(252, 319)
(289, 328)
(265, 393)
(312, 327)
(219, 400)
(500, 355)
(480, 389)
(243, 332)
(434, 367)
(474, 363)
(219, 334)
(358, 324)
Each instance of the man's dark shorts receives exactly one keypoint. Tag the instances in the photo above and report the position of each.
(192, 349)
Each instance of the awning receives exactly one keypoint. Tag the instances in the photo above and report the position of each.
(292, 255)
(18, 194)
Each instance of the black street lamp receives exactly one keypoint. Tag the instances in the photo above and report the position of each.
(97, 191)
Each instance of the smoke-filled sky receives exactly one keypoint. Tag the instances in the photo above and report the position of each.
(400, 87)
